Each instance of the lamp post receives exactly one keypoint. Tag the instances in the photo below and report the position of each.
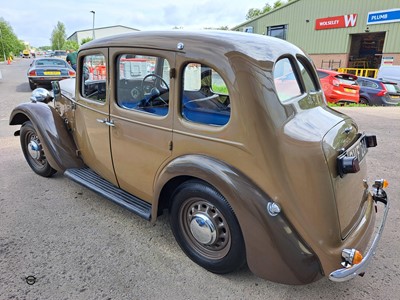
(94, 13)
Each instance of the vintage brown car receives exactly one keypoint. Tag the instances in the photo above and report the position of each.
(230, 133)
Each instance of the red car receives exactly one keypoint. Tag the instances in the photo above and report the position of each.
(339, 87)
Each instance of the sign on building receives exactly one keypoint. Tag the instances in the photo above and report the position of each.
(336, 22)
(383, 16)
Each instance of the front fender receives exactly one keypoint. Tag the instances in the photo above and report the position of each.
(58, 144)
(274, 250)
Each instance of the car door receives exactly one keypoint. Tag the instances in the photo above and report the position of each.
(92, 128)
(141, 112)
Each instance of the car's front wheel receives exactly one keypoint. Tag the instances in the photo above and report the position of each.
(206, 227)
(33, 151)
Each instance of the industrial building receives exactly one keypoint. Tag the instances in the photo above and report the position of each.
(100, 32)
(335, 33)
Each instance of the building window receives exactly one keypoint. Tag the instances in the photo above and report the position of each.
(278, 31)
(248, 29)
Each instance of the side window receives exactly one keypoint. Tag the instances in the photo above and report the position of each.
(143, 83)
(285, 80)
(94, 77)
(205, 96)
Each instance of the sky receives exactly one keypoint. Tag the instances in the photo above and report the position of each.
(34, 21)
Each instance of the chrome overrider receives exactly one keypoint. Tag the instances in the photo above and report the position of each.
(344, 274)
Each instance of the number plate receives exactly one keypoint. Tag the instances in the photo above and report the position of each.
(358, 150)
(52, 73)
(349, 90)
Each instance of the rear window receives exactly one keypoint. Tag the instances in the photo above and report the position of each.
(285, 81)
(51, 62)
(346, 79)
(392, 88)
(322, 74)
(368, 83)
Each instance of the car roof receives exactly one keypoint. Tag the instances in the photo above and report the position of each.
(259, 47)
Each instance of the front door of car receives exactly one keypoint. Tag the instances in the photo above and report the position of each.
(141, 109)
(92, 128)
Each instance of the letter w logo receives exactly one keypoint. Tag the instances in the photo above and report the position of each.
(350, 20)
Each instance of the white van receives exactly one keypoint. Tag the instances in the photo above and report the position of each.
(390, 73)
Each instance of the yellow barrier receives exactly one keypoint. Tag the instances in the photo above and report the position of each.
(360, 72)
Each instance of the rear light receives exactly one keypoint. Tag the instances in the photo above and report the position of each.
(381, 183)
(335, 82)
(71, 73)
(383, 91)
(32, 73)
(348, 164)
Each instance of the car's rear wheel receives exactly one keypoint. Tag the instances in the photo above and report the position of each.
(206, 227)
(33, 151)
(32, 85)
(364, 101)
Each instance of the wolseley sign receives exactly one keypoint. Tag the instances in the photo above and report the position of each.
(336, 22)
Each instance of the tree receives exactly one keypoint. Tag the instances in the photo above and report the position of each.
(255, 12)
(9, 43)
(277, 4)
(86, 40)
(58, 36)
(217, 28)
(70, 45)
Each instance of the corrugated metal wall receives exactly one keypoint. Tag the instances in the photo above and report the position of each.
(303, 33)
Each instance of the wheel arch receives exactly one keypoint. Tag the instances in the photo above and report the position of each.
(58, 144)
(270, 246)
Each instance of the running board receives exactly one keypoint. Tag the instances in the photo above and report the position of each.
(94, 182)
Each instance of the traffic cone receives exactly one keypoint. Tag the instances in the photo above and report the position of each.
(9, 61)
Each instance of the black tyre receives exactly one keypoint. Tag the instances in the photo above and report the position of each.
(32, 85)
(206, 228)
(33, 151)
(363, 101)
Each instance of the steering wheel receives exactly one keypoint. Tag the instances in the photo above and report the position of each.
(155, 92)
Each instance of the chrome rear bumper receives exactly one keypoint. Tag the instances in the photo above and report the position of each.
(345, 274)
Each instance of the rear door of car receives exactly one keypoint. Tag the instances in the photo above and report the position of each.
(141, 111)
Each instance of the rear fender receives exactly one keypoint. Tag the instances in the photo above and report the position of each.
(57, 142)
(274, 250)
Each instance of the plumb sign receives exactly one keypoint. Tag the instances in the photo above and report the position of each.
(383, 16)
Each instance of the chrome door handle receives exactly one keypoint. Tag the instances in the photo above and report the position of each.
(110, 123)
(105, 121)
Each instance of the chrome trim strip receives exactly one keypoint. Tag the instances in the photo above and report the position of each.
(345, 274)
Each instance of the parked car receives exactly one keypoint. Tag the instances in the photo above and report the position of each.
(26, 53)
(389, 73)
(339, 87)
(236, 143)
(59, 54)
(378, 92)
(43, 71)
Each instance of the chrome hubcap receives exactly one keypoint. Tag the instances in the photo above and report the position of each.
(34, 149)
(203, 229)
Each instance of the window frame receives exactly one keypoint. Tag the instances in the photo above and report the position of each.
(217, 99)
(283, 28)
